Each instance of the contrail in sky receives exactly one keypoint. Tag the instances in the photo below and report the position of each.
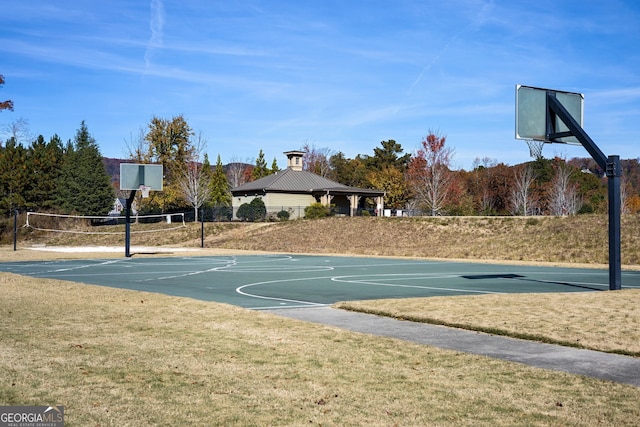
(156, 24)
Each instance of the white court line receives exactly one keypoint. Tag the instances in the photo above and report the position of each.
(78, 267)
(192, 273)
(306, 303)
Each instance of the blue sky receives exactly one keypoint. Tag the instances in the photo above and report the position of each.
(338, 75)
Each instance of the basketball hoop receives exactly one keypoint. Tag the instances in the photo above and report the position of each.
(144, 190)
(535, 148)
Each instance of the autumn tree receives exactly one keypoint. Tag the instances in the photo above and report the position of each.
(351, 172)
(5, 105)
(392, 181)
(170, 143)
(428, 173)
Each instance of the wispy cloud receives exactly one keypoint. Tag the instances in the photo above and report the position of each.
(156, 25)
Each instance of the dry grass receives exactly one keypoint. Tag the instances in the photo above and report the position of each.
(118, 357)
(603, 321)
(575, 240)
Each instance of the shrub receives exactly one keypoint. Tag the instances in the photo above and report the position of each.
(316, 210)
(283, 215)
(254, 211)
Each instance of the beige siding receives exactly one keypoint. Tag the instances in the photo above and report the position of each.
(293, 203)
(275, 202)
(282, 199)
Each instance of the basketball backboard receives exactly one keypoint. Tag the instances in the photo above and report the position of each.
(133, 175)
(532, 114)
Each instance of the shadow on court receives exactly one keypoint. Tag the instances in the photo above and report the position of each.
(519, 277)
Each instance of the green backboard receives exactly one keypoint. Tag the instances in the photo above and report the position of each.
(133, 175)
(531, 113)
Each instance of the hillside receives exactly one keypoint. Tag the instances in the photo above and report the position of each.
(578, 239)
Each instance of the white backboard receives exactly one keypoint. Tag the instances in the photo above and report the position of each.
(133, 175)
(531, 113)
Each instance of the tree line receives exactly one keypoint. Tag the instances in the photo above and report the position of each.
(49, 175)
(425, 182)
(71, 178)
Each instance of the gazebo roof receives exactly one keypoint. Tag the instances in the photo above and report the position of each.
(298, 181)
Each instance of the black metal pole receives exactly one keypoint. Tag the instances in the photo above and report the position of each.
(611, 165)
(15, 230)
(127, 226)
(202, 228)
(614, 171)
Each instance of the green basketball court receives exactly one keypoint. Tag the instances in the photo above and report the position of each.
(286, 281)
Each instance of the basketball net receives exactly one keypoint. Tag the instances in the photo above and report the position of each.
(144, 190)
(535, 148)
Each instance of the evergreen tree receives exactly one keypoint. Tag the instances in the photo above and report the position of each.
(207, 171)
(390, 155)
(84, 187)
(274, 166)
(220, 194)
(260, 170)
(12, 176)
(43, 164)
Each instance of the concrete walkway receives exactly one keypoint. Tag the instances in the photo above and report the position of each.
(606, 366)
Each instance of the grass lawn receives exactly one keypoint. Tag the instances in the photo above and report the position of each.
(119, 357)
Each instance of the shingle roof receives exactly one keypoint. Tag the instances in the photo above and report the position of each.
(293, 181)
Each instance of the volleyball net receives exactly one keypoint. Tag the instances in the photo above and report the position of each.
(87, 224)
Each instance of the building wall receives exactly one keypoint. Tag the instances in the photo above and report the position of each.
(275, 202)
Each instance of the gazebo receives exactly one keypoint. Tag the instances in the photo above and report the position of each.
(293, 189)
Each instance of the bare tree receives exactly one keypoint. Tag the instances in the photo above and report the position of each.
(522, 202)
(483, 170)
(316, 160)
(429, 172)
(564, 199)
(194, 179)
(625, 186)
(18, 130)
(138, 147)
(237, 172)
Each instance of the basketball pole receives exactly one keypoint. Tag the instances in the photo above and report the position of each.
(613, 170)
(127, 226)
